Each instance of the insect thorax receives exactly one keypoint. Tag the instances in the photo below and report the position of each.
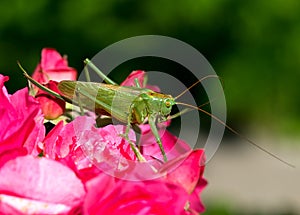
(154, 103)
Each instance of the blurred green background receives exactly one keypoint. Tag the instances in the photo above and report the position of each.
(253, 45)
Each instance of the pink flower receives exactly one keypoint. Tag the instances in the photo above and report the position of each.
(53, 67)
(52, 107)
(39, 186)
(21, 120)
(89, 150)
(177, 192)
(79, 144)
(61, 144)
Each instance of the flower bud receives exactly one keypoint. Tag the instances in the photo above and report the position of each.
(52, 107)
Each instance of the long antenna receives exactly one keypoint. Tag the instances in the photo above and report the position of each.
(237, 133)
(197, 82)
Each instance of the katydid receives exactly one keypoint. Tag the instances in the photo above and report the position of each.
(130, 105)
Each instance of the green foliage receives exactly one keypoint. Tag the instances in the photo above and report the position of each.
(253, 45)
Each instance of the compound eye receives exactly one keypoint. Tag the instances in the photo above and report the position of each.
(168, 104)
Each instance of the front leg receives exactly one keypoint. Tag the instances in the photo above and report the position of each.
(132, 145)
(154, 130)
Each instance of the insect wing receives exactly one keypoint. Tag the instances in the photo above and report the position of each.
(102, 98)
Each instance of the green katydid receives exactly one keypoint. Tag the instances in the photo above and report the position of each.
(130, 105)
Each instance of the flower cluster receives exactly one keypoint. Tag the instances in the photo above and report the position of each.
(78, 168)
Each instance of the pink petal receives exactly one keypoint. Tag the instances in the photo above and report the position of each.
(196, 204)
(188, 173)
(62, 145)
(21, 120)
(39, 76)
(62, 138)
(53, 67)
(173, 146)
(4, 96)
(130, 80)
(60, 74)
(50, 141)
(107, 195)
(140, 75)
(153, 87)
(106, 148)
(51, 59)
(40, 186)
(12, 154)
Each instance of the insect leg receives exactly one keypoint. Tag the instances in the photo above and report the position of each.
(137, 84)
(152, 124)
(99, 73)
(87, 74)
(132, 145)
